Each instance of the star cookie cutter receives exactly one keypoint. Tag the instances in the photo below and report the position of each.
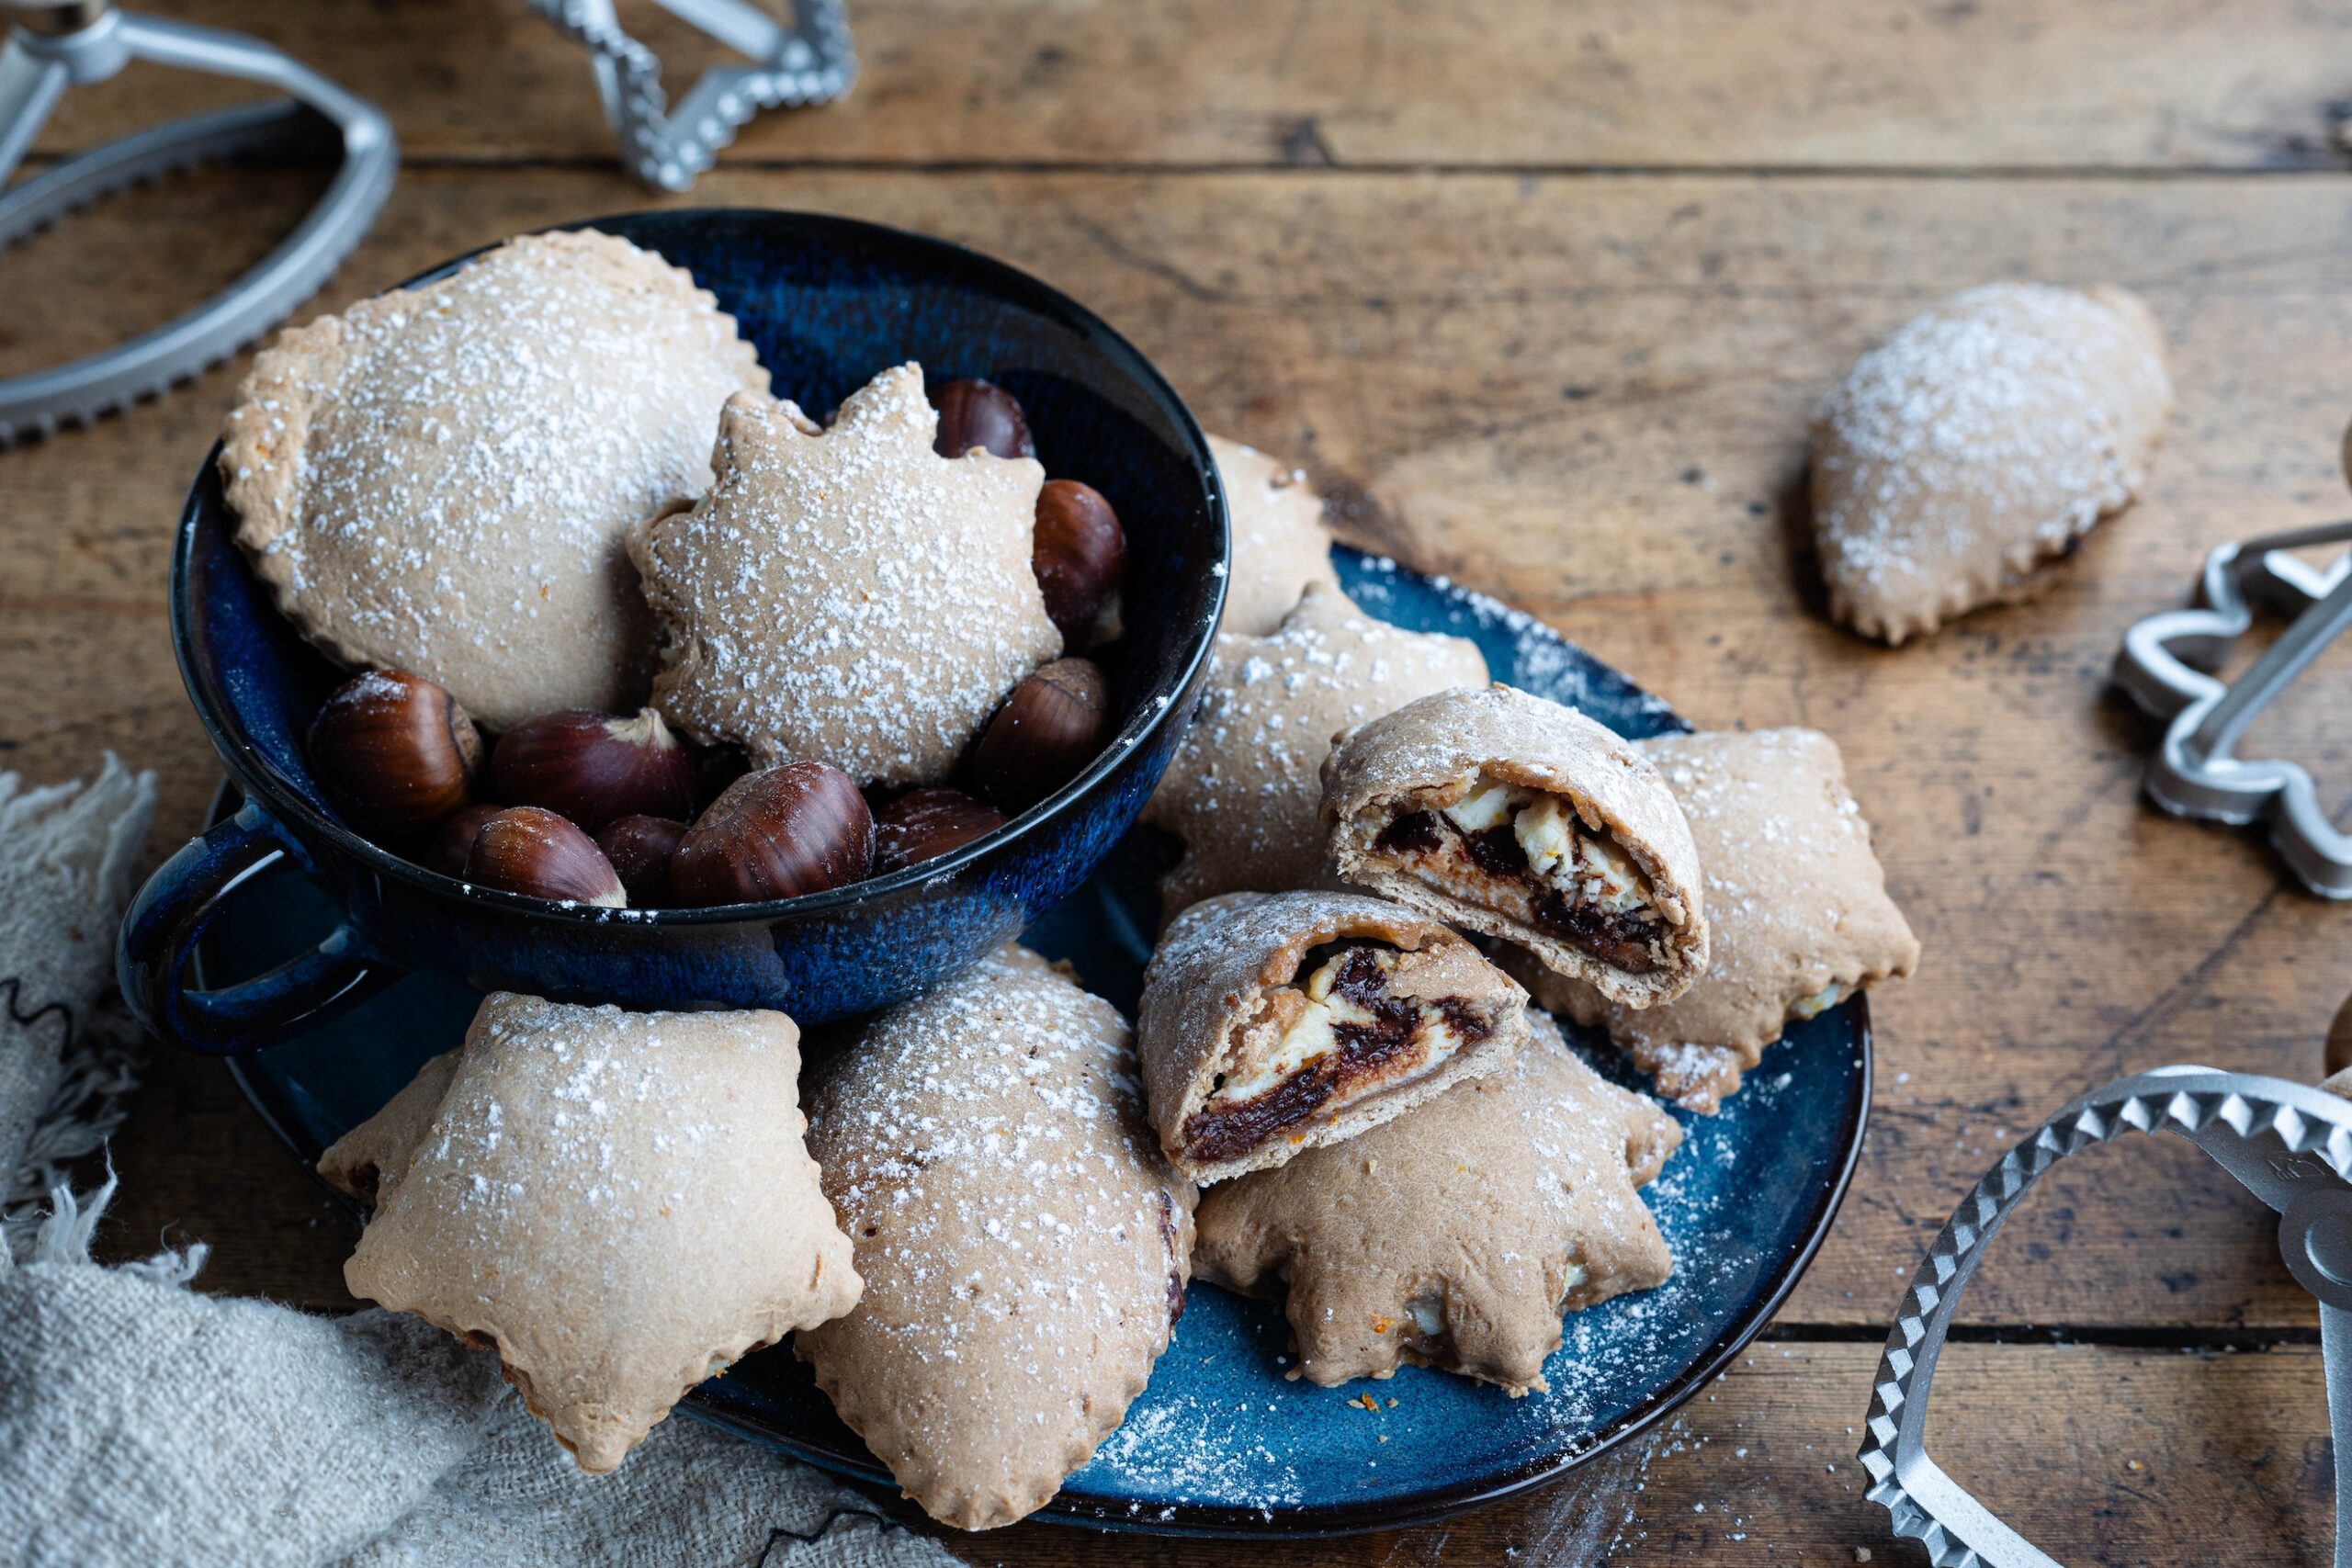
(811, 61)
(56, 44)
(2289, 1143)
(2196, 772)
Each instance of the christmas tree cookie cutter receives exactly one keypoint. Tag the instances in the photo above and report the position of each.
(2289, 1143)
(2196, 771)
(56, 44)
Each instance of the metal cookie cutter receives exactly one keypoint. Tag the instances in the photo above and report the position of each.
(54, 44)
(811, 61)
(2194, 772)
(2291, 1146)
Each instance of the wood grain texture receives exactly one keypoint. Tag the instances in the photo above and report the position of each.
(2154, 84)
(1542, 296)
(2120, 1456)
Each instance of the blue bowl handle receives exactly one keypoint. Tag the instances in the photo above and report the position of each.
(179, 904)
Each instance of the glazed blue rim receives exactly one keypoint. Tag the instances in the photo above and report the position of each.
(1154, 708)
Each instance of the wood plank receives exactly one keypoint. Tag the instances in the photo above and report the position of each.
(1589, 398)
(2159, 84)
(2095, 1455)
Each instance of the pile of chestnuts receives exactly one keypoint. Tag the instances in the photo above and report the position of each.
(616, 811)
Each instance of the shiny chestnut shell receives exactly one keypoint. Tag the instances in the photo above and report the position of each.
(982, 414)
(779, 833)
(923, 824)
(594, 768)
(1046, 733)
(394, 751)
(529, 848)
(1078, 555)
(453, 838)
(639, 849)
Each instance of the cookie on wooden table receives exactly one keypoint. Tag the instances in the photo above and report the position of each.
(1979, 443)
(621, 1203)
(439, 479)
(847, 595)
(1797, 911)
(1243, 789)
(1526, 820)
(1279, 544)
(1455, 1236)
(1024, 1245)
(1275, 1022)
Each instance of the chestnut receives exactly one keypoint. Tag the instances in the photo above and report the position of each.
(779, 833)
(445, 852)
(1079, 554)
(983, 414)
(639, 849)
(394, 751)
(594, 768)
(1048, 731)
(923, 823)
(529, 848)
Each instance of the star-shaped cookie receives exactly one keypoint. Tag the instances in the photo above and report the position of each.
(847, 595)
(1796, 904)
(1245, 789)
(1455, 1236)
(621, 1203)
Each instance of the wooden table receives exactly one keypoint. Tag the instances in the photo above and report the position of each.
(1542, 294)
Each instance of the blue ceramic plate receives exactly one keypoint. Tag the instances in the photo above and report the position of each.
(1220, 1443)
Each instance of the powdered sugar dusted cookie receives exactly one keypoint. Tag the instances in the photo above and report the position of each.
(439, 479)
(1274, 1023)
(1797, 911)
(1278, 542)
(619, 1203)
(1243, 788)
(1456, 1236)
(847, 595)
(1526, 820)
(1976, 444)
(1024, 1247)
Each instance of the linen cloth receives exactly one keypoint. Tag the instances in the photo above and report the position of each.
(142, 1423)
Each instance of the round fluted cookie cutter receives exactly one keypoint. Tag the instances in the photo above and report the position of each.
(811, 61)
(2288, 1144)
(56, 44)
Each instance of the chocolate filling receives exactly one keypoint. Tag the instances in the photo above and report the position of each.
(1621, 939)
(1222, 1133)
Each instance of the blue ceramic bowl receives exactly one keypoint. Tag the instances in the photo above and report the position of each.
(828, 302)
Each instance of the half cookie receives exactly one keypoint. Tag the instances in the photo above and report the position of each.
(439, 479)
(1454, 1237)
(847, 595)
(1797, 911)
(619, 1203)
(1243, 788)
(1525, 820)
(1024, 1246)
(1976, 446)
(1278, 542)
(1272, 1023)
